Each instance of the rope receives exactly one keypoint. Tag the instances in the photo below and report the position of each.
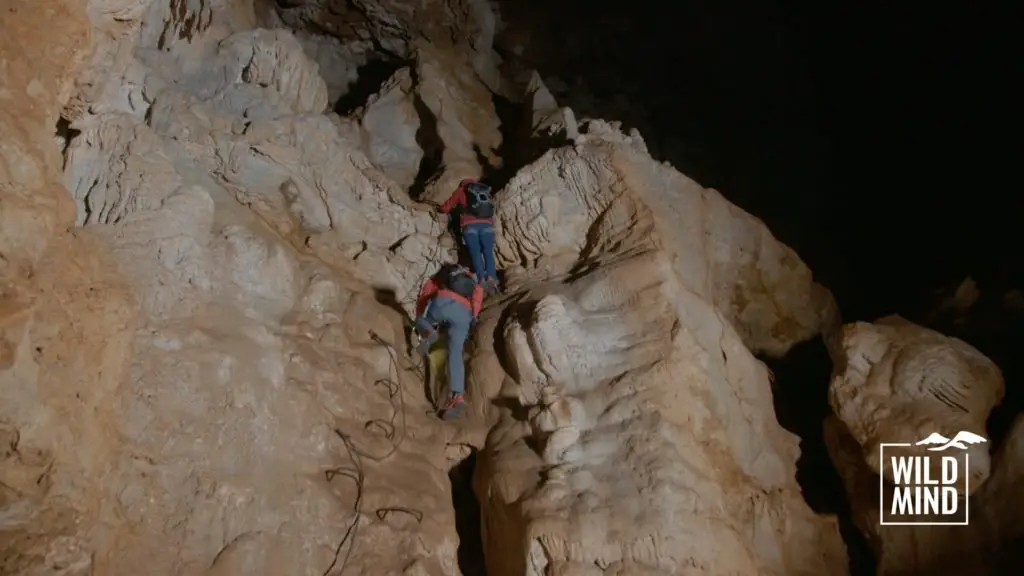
(356, 472)
(385, 427)
(356, 475)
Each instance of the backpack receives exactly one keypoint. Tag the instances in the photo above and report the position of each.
(458, 280)
(478, 200)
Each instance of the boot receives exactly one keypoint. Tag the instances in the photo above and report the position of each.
(490, 286)
(454, 407)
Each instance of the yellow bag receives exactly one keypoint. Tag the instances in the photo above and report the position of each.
(437, 369)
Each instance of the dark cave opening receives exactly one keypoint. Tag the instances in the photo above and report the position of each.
(997, 330)
(369, 79)
(430, 142)
(834, 125)
(467, 517)
(515, 150)
(800, 394)
(65, 132)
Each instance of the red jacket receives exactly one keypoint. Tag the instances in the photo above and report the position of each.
(433, 288)
(459, 199)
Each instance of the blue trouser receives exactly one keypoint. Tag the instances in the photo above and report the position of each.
(479, 238)
(442, 311)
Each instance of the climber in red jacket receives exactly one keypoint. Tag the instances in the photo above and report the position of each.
(477, 223)
(451, 299)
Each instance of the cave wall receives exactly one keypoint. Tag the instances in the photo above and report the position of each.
(179, 394)
(200, 373)
(632, 410)
(66, 320)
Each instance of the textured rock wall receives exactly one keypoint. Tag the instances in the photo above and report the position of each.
(202, 356)
(898, 382)
(183, 371)
(895, 381)
(237, 388)
(635, 433)
(65, 315)
(397, 27)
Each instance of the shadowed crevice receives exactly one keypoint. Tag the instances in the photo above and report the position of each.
(800, 395)
(467, 517)
(430, 142)
(370, 77)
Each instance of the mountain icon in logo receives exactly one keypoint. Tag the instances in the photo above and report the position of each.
(962, 439)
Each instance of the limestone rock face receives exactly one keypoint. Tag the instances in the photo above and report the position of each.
(635, 433)
(65, 316)
(191, 382)
(463, 118)
(899, 382)
(397, 26)
(203, 366)
(456, 70)
(572, 206)
(896, 382)
(390, 121)
(339, 62)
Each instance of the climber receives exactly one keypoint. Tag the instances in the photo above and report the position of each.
(477, 224)
(451, 299)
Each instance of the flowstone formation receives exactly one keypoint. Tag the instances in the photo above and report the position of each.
(635, 432)
(203, 356)
(897, 382)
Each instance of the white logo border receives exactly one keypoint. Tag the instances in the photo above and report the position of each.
(881, 491)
